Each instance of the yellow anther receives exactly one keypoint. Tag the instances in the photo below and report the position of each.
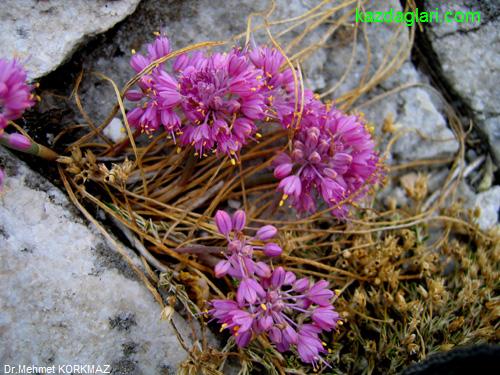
(179, 150)
(253, 89)
(282, 203)
(259, 77)
(263, 306)
(323, 343)
(223, 327)
(157, 33)
(258, 135)
(285, 197)
(233, 162)
(338, 292)
(196, 154)
(340, 322)
(133, 51)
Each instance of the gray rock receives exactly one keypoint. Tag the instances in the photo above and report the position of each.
(489, 204)
(66, 297)
(470, 57)
(46, 33)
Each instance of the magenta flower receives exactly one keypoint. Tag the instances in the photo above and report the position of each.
(239, 263)
(15, 93)
(272, 306)
(278, 87)
(333, 157)
(158, 92)
(309, 345)
(221, 102)
(15, 98)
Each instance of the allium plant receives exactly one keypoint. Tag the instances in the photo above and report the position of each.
(220, 100)
(291, 312)
(211, 101)
(333, 157)
(15, 98)
(215, 103)
(158, 92)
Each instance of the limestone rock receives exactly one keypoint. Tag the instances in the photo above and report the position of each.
(489, 204)
(66, 297)
(46, 33)
(469, 54)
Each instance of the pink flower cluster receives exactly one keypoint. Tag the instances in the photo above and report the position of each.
(211, 102)
(292, 312)
(214, 103)
(15, 98)
(15, 93)
(333, 156)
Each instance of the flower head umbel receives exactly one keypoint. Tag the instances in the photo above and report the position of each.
(15, 98)
(332, 157)
(239, 262)
(15, 93)
(292, 313)
(220, 100)
(158, 92)
(278, 86)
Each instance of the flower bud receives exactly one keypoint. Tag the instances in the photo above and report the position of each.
(329, 172)
(181, 62)
(19, 142)
(222, 268)
(301, 285)
(289, 278)
(272, 250)
(314, 157)
(266, 232)
(262, 269)
(278, 277)
(223, 222)
(297, 154)
(283, 170)
(134, 95)
(239, 220)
